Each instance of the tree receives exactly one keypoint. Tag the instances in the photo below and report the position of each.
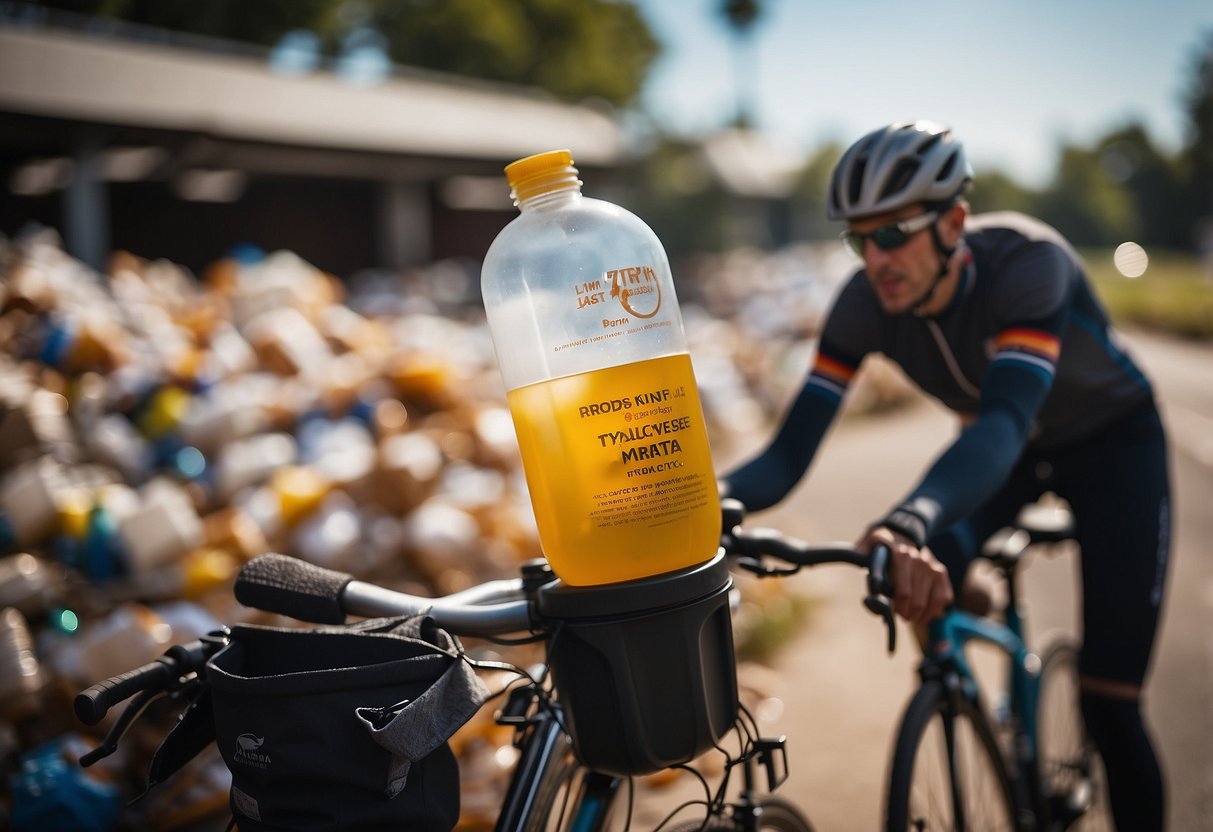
(809, 221)
(587, 49)
(678, 196)
(262, 23)
(1085, 203)
(1151, 182)
(591, 48)
(741, 16)
(993, 190)
(1197, 156)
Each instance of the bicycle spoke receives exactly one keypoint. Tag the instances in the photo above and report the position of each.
(955, 781)
(1071, 771)
(931, 793)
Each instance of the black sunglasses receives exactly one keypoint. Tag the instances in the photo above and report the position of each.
(891, 236)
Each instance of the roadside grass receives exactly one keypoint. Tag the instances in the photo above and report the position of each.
(1173, 295)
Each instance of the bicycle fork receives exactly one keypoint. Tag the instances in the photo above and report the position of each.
(948, 637)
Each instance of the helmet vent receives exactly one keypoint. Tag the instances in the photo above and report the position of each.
(947, 169)
(926, 146)
(900, 178)
(856, 183)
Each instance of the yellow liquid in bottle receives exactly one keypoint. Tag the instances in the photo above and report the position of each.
(619, 470)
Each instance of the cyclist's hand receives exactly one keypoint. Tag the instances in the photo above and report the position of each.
(922, 589)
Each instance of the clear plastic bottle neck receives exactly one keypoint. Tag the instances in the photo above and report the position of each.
(543, 180)
(566, 194)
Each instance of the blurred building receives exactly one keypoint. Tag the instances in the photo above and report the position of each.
(182, 149)
(760, 174)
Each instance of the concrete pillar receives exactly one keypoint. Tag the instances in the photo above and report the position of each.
(405, 221)
(86, 223)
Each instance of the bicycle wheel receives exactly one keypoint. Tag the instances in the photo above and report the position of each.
(947, 771)
(1070, 769)
(776, 814)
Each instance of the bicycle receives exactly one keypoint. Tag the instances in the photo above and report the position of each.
(949, 770)
(560, 779)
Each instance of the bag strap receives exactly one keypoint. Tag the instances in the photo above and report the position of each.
(412, 729)
(194, 731)
(419, 627)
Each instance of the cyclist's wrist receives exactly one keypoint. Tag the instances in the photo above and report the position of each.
(907, 523)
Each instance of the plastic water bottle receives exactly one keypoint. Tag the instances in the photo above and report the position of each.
(589, 339)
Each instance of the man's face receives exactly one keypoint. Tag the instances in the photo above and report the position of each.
(901, 276)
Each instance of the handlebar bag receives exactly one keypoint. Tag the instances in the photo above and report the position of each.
(342, 727)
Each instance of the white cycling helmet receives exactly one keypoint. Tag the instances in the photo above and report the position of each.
(906, 163)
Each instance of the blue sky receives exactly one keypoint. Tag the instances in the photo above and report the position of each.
(1013, 77)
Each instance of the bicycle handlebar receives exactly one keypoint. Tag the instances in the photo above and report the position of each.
(159, 674)
(286, 585)
(750, 546)
(306, 592)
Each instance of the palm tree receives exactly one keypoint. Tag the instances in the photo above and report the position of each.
(741, 16)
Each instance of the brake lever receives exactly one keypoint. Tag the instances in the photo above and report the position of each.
(185, 688)
(116, 732)
(879, 590)
(881, 607)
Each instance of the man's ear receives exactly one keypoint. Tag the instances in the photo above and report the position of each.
(952, 223)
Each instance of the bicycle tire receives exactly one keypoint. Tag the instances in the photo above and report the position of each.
(920, 794)
(1071, 771)
(777, 815)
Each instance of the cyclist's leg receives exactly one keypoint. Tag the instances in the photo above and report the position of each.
(1117, 486)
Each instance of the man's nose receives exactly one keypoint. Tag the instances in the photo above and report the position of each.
(872, 253)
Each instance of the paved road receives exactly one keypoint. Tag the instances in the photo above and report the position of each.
(1181, 696)
(839, 695)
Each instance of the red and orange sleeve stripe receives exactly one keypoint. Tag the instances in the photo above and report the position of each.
(1035, 341)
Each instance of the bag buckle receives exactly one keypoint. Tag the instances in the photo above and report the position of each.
(379, 718)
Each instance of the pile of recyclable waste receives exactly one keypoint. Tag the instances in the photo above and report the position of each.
(158, 429)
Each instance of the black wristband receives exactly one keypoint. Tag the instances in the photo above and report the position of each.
(908, 523)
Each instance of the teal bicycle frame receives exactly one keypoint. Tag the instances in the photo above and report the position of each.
(945, 659)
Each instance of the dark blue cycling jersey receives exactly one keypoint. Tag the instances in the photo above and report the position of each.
(1024, 352)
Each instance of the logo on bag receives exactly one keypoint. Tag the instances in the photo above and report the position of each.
(248, 751)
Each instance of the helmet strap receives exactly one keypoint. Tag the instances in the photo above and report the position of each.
(945, 261)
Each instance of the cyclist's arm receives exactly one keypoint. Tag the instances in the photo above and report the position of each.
(1013, 389)
(849, 333)
(767, 478)
(979, 461)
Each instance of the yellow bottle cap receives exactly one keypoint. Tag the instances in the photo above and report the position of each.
(164, 412)
(540, 174)
(75, 505)
(300, 491)
(207, 569)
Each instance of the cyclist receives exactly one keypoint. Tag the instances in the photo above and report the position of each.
(993, 315)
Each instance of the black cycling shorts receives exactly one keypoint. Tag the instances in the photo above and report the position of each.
(1117, 485)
